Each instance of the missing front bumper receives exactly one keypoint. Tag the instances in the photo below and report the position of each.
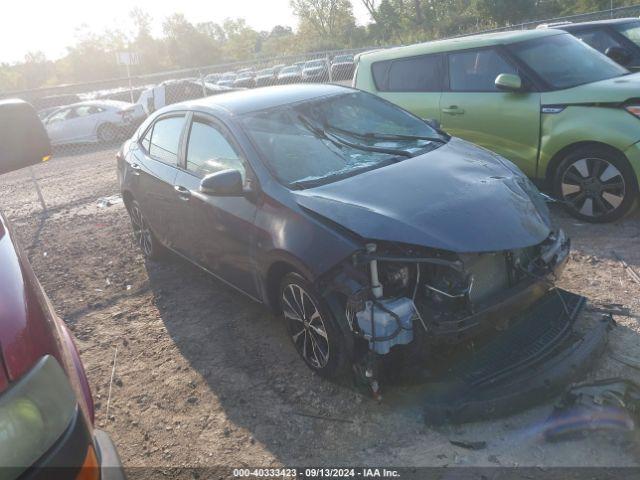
(520, 367)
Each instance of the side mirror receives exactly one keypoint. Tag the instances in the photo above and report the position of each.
(23, 139)
(225, 182)
(508, 82)
(619, 55)
(433, 123)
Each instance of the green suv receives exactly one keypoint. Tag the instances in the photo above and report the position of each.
(566, 114)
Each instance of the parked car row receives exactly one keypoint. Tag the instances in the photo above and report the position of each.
(341, 67)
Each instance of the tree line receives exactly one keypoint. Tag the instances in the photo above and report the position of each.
(322, 25)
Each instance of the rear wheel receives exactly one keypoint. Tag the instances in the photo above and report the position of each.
(311, 326)
(143, 236)
(596, 184)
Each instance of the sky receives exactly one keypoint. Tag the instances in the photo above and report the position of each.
(50, 26)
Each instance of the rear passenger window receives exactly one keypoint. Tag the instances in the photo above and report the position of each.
(477, 71)
(165, 139)
(209, 151)
(413, 74)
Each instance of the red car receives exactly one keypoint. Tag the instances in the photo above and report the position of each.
(46, 410)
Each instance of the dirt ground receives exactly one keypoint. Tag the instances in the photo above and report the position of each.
(205, 377)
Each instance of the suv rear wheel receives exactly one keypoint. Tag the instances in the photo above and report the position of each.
(596, 184)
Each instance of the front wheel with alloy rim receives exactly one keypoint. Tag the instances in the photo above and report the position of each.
(142, 235)
(596, 184)
(311, 326)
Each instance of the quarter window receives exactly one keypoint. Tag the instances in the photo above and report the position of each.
(209, 151)
(413, 74)
(476, 71)
(165, 139)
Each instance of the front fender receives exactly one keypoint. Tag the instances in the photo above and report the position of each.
(575, 124)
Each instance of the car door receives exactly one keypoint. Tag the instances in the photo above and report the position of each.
(473, 108)
(216, 232)
(84, 123)
(414, 83)
(154, 164)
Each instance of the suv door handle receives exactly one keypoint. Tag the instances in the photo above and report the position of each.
(183, 192)
(453, 110)
(136, 169)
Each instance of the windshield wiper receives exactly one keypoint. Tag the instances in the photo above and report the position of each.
(383, 136)
(322, 133)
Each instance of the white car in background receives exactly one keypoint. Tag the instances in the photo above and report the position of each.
(93, 121)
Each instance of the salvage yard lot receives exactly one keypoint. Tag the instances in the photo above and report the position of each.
(204, 376)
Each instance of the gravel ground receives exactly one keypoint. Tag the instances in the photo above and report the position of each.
(206, 377)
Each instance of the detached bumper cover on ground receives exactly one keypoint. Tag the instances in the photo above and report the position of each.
(525, 365)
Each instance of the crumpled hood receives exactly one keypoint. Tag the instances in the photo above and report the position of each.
(614, 90)
(458, 197)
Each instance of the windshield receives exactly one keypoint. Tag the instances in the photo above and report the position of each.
(630, 30)
(563, 61)
(323, 140)
(289, 70)
(314, 63)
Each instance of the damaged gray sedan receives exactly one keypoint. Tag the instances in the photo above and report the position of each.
(370, 231)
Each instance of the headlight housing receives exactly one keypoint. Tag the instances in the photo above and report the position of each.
(34, 413)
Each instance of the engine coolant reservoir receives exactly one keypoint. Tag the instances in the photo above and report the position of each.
(389, 331)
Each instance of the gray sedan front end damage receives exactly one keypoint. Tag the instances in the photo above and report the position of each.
(490, 331)
(457, 249)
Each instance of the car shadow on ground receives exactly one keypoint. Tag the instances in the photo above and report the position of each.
(249, 363)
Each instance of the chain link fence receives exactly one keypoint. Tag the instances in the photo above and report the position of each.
(95, 117)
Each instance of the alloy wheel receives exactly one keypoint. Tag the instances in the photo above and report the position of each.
(593, 187)
(306, 326)
(141, 231)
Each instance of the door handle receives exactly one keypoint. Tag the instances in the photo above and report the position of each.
(136, 169)
(183, 192)
(453, 110)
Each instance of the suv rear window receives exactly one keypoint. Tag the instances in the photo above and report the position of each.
(413, 74)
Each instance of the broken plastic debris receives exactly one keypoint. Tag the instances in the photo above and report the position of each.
(608, 404)
(470, 445)
(104, 202)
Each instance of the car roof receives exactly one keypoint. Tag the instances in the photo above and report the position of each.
(253, 100)
(459, 43)
(610, 21)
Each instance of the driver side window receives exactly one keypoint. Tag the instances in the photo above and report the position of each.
(209, 151)
(476, 71)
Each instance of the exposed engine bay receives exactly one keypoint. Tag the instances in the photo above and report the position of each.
(405, 298)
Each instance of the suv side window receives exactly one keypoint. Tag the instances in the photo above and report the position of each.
(165, 139)
(413, 74)
(599, 39)
(476, 71)
(209, 151)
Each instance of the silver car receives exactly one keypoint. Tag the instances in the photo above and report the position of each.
(93, 121)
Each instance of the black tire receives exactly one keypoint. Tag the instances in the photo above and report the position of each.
(142, 235)
(596, 184)
(107, 133)
(311, 326)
